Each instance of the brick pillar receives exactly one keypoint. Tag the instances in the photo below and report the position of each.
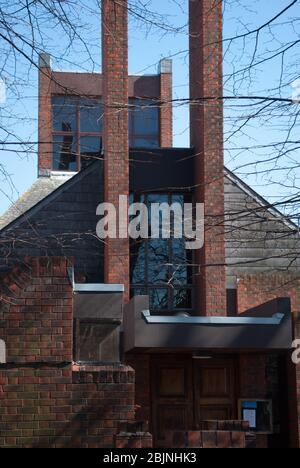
(141, 364)
(253, 383)
(205, 19)
(293, 383)
(166, 111)
(45, 115)
(115, 137)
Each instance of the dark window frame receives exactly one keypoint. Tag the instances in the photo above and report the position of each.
(135, 103)
(148, 286)
(77, 134)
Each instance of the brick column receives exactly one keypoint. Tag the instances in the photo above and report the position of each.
(45, 115)
(253, 383)
(293, 383)
(166, 110)
(115, 137)
(206, 113)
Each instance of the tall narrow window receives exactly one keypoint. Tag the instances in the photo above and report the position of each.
(162, 268)
(143, 123)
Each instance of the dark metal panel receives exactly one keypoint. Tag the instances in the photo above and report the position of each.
(97, 306)
(161, 169)
(207, 337)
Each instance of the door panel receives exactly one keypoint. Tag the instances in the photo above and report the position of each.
(172, 395)
(215, 413)
(172, 382)
(214, 382)
(172, 418)
(214, 390)
(186, 391)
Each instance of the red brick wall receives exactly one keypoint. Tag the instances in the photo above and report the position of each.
(254, 290)
(115, 139)
(206, 113)
(46, 407)
(141, 366)
(135, 441)
(45, 121)
(36, 314)
(45, 401)
(166, 112)
(253, 383)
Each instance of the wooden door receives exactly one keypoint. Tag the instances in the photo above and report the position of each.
(172, 396)
(214, 390)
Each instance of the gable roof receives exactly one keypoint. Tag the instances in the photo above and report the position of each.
(45, 188)
(261, 201)
(41, 192)
(38, 191)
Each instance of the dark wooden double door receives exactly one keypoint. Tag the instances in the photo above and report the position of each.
(186, 391)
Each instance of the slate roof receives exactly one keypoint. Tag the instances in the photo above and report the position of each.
(39, 190)
(57, 217)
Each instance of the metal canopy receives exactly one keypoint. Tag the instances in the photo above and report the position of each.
(265, 328)
(275, 320)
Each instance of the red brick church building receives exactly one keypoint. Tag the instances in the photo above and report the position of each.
(139, 344)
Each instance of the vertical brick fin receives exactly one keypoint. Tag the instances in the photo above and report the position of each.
(254, 290)
(205, 19)
(45, 113)
(115, 138)
(166, 110)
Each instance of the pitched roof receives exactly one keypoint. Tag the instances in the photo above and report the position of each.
(43, 187)
(39, 190)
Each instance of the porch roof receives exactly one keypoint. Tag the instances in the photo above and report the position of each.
(267, 327)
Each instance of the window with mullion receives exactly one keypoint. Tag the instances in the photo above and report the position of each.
(77, 131)
(162, 268)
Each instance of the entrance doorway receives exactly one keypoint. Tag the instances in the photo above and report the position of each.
(186, 391)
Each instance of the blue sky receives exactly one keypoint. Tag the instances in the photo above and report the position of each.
(147, 45)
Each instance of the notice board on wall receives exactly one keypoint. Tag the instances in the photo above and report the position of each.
(259, 414)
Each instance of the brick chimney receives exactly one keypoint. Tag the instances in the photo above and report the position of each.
(166, 109)
(45, 115)
(115, 135)
(206, 114)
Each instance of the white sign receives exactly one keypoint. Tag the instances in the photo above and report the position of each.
(2, 352)
(250, 416)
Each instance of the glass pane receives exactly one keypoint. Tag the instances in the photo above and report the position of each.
(90, 149)
(137, 262)
(98, 342)
(178, 198)
(140, 142)
(181, 263)
(64, 114)
(145, 116)
(182, 299)
(157, 198)
(158, 299)
(91, 112)
(64, 153)
(158, 261)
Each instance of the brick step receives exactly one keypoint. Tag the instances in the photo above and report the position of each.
(133, 426)
(226, 425)
(205, 439)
